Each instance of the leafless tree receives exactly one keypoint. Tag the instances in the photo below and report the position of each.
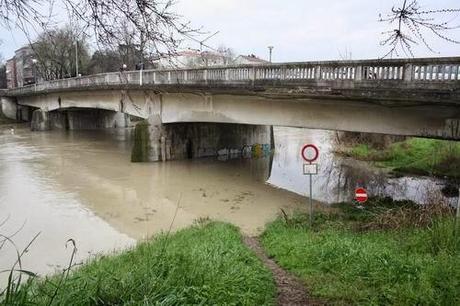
(413, 24)
(154, 24)
(55, 51)
(346, 55)
(3, 82)
(227, 53)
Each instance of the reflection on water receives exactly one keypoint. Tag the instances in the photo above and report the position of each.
(338, 176)
(81, 185)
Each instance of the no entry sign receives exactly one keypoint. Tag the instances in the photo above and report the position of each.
(309, 153)
(361, 195)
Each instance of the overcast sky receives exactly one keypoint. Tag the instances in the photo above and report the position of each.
(299, 30)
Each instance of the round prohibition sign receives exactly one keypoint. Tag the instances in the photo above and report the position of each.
(361, 195)
(310, 153)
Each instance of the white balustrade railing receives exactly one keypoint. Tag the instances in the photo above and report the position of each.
(407, 70)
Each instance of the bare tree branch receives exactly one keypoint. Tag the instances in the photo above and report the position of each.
(413, 24)
(153, 23)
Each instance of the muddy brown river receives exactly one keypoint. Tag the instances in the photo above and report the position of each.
(81, 185)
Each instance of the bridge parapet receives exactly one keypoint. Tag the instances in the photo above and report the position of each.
(435, 72)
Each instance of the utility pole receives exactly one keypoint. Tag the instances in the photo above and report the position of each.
(76, 58)
(34, 71)
(270, 50)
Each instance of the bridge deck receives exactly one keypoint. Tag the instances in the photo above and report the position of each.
(434, 80)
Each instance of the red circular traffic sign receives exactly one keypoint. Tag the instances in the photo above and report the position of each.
(361, 195)
(310, 148)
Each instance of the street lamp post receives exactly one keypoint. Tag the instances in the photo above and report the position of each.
(34, 72)
(141, 69)
(270, 50)
(76, 58)
(7, 72)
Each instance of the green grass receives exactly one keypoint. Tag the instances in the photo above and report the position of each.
(410, 266)
(201, 265)
(415, 156)
(363, 151)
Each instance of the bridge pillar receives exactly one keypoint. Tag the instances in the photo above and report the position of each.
(40, 120)
(10, 109)
(154, 141)
(149, 138)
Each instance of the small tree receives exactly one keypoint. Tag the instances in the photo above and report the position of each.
(227, 53)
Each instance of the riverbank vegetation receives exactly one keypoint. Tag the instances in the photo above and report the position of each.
(385, 253)
(412, 156)
(201, 265)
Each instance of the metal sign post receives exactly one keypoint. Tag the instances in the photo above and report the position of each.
(310, 153)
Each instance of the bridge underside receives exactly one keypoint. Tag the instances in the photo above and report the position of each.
(432, 120)
(155, 141)
(78, 119)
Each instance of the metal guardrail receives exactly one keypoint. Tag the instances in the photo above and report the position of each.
(431, 70)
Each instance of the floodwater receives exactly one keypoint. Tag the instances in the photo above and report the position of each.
(81, 185)
(339, 176)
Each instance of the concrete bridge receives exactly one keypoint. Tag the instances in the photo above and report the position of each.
(412, 97)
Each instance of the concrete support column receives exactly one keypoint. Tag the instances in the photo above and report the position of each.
(10, 109)
(40, 121)
(120, 120)
(149, 141)
(163, 148)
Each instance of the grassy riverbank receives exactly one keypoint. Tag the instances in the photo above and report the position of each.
(413, 156)
(204, 264)
(388, 253)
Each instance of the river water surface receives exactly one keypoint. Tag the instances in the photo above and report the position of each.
(81, 185)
